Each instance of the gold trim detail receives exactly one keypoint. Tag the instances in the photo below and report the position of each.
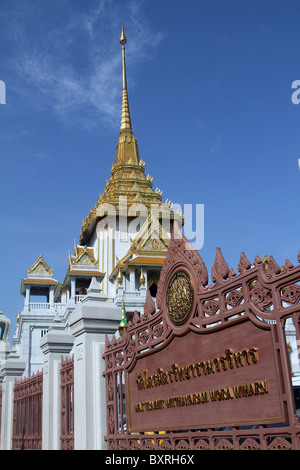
(180, 297)
(40, 267)
(83, 257)
(127, 176)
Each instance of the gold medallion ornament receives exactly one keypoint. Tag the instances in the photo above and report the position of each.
(180, 297)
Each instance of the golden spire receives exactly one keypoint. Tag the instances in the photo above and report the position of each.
(125, 114)
(128, 177)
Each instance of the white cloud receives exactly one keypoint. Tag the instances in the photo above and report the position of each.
(43, 156)
(216, 145)
(75, 71)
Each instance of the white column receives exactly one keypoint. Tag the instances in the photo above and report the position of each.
(90, 322)
(73, 288)
(11, 369)
(132, 278)
(55, 344)
(145, 271)
(27, 298)
(51, 296)
(64, 296)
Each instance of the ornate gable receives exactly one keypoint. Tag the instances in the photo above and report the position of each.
(84, 257)
(40, 267)
(151, 238)
(154, 244)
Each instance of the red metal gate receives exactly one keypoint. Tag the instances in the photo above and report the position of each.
(0, 410)
(67, 404)
(145, 399)
(27, 421)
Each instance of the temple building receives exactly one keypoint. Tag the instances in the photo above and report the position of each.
(122, 247)
(122, 244)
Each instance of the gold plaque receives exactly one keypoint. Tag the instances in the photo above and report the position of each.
(180, 297)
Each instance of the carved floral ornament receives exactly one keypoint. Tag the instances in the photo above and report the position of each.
(258, 291)
(180, 297)
(184, 295)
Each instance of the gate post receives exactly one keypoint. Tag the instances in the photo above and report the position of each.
(11, 369)
(54, 344)
(94, 318)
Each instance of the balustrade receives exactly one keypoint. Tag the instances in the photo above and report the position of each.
(39, 306)
(132, 295)
(47, 306)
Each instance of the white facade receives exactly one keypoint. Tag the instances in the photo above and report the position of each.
(96, 261)
(124, 255)
(293, 349)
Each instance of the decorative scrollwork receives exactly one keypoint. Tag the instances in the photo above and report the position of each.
(244, 263)
(224, 444)
(111, 420)
(123, 445)
(109, 362)
(143, 337)
(211, 307)
(201, 444)
(220, 269)
(130, 349)
(149, 445)
(149, 307)
(182, 445)
(112, 445)
(269, 268)
(279, 443)
(110, 388)
(135, 445)
(165, 445)
(158, 330)
(291, 294)
(234, 298)
(261, 297)
(119, 358)
(250, 444)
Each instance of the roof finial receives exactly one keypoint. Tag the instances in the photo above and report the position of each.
(123, 39)
(124, 322)
(125, 114)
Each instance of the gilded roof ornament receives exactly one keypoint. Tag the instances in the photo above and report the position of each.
(127, 176)
(123, 39)
(125, 114)
(40, 267)
(83, 256)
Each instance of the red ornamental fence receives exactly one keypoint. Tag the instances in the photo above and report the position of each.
(27, 421)
(0, 410)
(67, 404)
(28, 404)
(209, 369)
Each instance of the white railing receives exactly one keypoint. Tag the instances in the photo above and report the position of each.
(39, 306)
(58, 306)
(132, 295)
(46, 306)
(79, 298)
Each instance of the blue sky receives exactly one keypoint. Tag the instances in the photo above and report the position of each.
(209, 86)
